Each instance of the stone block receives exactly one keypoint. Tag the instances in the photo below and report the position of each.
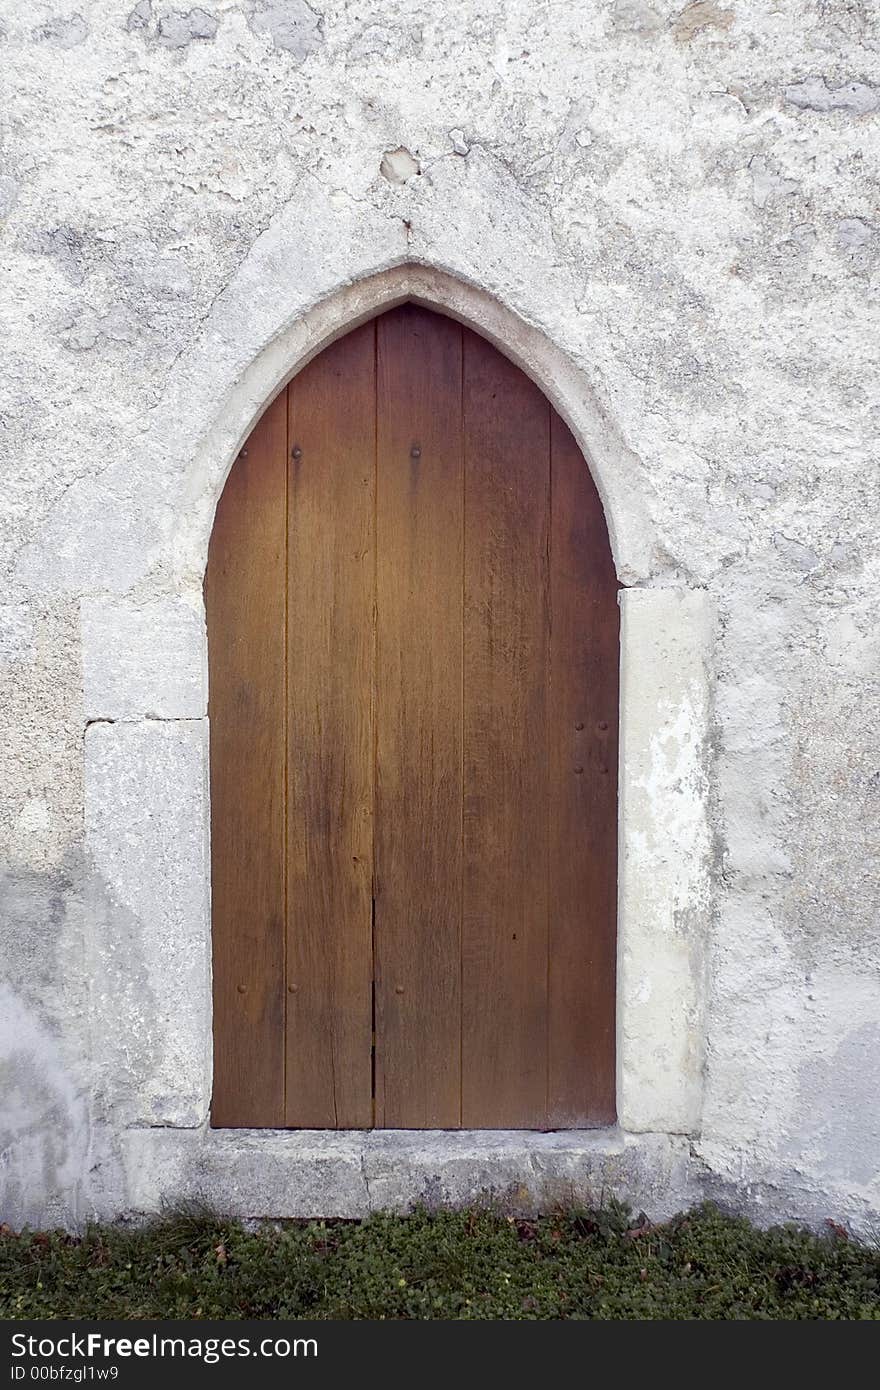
(144, 660)
(147, 918)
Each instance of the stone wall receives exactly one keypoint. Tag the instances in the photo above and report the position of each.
(668, 215)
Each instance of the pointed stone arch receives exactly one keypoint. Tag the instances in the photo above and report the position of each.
(552, 369)
(132, 542)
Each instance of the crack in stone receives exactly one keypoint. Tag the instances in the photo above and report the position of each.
(148, 719)
(366, 1179)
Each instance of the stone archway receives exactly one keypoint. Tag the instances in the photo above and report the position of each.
(146, 744)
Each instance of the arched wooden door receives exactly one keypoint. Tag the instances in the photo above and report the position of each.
(413, 648)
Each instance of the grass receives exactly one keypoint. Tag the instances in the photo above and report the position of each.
(476, 1263)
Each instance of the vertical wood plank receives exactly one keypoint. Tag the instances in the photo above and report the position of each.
(418, 702)
(332, 424)
(449, 685)
(582, 725)
(504, 968)
(245, 605)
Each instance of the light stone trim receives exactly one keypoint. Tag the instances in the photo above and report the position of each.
(147, 818)
(144, 659)
(146, 760)
(623, 488)
(665, 868)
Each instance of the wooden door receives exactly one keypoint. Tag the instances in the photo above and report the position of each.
(413, 650)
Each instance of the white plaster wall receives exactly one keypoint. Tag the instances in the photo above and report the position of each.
(667, 214)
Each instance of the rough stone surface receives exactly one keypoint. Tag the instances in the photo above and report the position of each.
(140, 16)
(62, 31)
(815, 94)
(701, 15)
(667, 215)
(178, 29)
(292, 25)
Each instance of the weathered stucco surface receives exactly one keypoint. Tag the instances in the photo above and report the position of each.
(668, 214)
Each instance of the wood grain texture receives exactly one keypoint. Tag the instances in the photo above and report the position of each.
(332, 425)
(418, 699)
(506, 637)
(413, 646)
(245, 606)
(582, 727)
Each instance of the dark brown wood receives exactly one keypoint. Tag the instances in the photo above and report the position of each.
(506, 634)
(582, 727)
(418, 700)
(332, 432)
(245, 589)
(413, 647)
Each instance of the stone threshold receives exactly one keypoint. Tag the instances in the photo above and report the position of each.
(350, 1173)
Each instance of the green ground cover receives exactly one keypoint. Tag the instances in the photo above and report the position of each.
(476, 1263)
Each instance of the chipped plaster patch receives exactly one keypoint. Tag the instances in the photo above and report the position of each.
(398, 165)
(816, 94)
(180, 28)
(702, 14)
(292, 25)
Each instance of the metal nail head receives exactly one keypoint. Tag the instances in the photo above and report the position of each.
(296, 452)
(415, 452)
